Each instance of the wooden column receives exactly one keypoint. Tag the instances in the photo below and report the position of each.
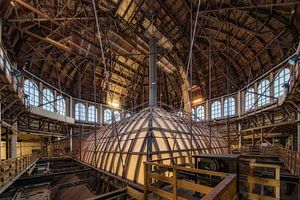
(239, 103)
(40, 94)
(71, 107)
(71, 140)
(55, 101)
(256, 96)
(0, 115)
(207, 110)
(0, 32)
(101, 114)
(240, 134)
(7, 144)
(271, 86)
(13, 145)
(298, 133)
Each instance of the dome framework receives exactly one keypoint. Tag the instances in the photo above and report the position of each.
(121, 149)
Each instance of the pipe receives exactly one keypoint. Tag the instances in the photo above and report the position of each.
(152, 73)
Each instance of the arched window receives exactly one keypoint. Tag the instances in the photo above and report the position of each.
(263, 91)
(92, 114)
(280, 80)
(32, 92)
(216, 109)
(194, 114)
(229, 106)
(117, 115)
(107, 116)
(249, 100)
(200, 113)
(180, 113)
(127, 115)
(48, 100)
(61, 105)
(80, 111)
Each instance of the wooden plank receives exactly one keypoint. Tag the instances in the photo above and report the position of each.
(253, 196)
(135, 193)
(263, 181)
(202, 171)
(193, 186)
(277, 177)
(160, 192)
(159, 165)
(222, 187)
(161, 177)
(262, 165)
(175, 196)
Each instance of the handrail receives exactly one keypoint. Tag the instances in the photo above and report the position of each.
(271, 182)
(290, 158)
(12, 168)
(226, 188)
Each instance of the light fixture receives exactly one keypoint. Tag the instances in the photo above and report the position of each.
(197, 100)
(114, 104)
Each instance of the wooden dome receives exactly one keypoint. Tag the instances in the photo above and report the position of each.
(122, 148)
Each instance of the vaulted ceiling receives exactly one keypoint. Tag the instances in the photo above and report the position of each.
(235, 41)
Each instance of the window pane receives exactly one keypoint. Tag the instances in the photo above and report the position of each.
(180, 113)
(61, 105)
(92, 114)
(280, 80)
(216, 110)
(80, 111)
(107, 116)
(200, 113)
(249, 102)
(48, 100)
(229, 106)
(263, 92)
(117, 115)
(32, 92)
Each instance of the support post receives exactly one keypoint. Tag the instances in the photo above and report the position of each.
(13, 145)
(152, 73)
(71, 141)
(240, 134)
(71, 107)
(7, 145)
(101, 114)
(0, 112)
(152, 94)
(0, 30)
(41, 96)
(298, 132)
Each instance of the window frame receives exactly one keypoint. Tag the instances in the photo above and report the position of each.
(281, 78)
(48, 99)
(249, 99)
(80, 112)
(230, 107)
(32, 91)
(107, 116)
(117, 115)
(216, 109)
(92, 113)
(200, 113)
(263, 90)
(61, 105)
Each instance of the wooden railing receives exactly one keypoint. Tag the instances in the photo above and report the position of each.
(271, 182)
(168, 174)
(12, 167)
(290, 158)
